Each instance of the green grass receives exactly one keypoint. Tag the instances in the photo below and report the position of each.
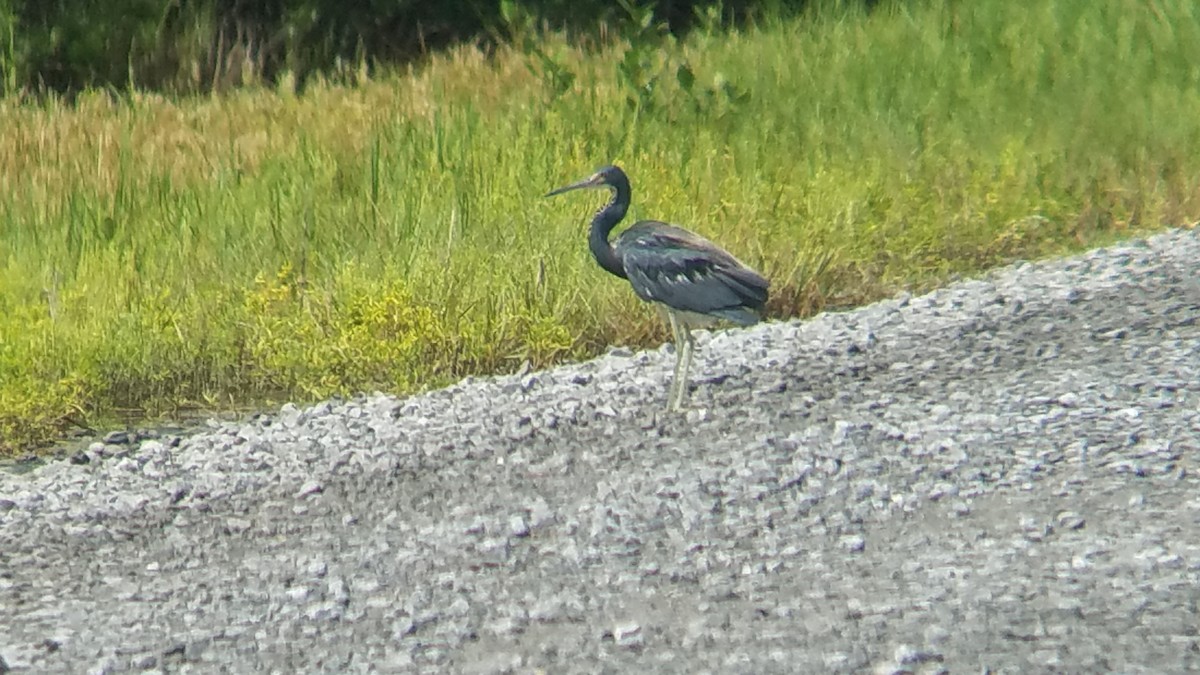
(160, 254)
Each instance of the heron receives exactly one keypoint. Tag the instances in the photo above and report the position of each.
(692, 280)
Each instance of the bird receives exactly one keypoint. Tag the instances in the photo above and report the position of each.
(692, 280)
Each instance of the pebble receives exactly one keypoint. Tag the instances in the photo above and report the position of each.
(628, 635)
(311, 487)
(854, 544)
(117, 438)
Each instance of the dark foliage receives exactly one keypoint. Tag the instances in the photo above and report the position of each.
(196, 45)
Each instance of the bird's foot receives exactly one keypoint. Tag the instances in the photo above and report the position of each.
(690, 413)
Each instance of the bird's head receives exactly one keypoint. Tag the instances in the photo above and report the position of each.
(610, 176)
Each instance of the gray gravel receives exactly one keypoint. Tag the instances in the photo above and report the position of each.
(998, 475)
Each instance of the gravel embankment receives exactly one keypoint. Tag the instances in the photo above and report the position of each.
(999, 475)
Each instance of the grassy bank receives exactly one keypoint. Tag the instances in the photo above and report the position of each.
(158, 254)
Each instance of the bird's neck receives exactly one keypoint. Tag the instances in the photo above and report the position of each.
(602, 225)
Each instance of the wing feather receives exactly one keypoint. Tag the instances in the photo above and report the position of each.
(685, 271)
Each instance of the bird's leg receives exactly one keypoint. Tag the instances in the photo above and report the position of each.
(683, 360)
(675, 327)
(688, 347)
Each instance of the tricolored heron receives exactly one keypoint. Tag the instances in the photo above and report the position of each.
(692, 279)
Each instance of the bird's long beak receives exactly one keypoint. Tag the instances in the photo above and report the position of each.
(590, 181)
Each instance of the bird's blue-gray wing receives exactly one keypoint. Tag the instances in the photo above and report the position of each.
(684, 271)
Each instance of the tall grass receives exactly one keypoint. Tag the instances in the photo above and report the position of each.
(158, 253)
